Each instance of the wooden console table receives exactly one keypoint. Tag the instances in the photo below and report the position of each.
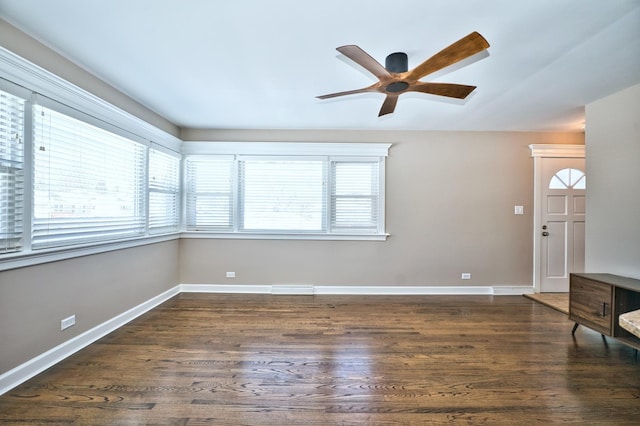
(597, 300)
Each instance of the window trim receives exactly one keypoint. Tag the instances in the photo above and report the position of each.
(37, 257)
(282, 236)
(331, 152)
(276, 149)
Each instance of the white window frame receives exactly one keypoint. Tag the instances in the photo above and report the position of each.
(328, 152)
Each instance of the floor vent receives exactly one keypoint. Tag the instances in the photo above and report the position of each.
(293, 289)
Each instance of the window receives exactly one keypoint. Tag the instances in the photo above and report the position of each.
(11, 172)
(282, 195)
(89, 184)
(354, 195)
(568, 178)
(78, 175)
(210, 193)
(286, 194)
(164, 189)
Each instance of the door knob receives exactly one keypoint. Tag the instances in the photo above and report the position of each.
(545, 234)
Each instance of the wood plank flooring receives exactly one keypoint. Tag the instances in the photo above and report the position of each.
(210, 359)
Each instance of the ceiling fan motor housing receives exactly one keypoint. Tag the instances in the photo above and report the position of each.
(397, 62)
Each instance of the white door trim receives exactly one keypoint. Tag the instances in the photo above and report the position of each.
(539, 151)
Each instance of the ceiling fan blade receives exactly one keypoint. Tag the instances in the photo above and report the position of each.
(389, 105)
(461, 49)
(363, 59)
(348, 92)
(459, 91)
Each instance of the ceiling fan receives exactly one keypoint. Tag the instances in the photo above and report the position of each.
(394, 79)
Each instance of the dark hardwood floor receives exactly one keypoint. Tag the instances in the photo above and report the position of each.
(334, 360)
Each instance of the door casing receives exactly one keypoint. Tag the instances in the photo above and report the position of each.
(539, 152)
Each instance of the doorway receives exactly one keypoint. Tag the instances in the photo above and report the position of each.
(559, 215)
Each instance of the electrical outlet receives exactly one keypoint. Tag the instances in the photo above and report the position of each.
(231, 274)
(465, 276)
(67, 322)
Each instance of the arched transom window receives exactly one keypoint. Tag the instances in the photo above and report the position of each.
(568, 178)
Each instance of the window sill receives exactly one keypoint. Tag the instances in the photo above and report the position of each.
(36, 257)
(21, 259)
(291, 236)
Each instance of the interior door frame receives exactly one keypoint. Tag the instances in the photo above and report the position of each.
(539, 152)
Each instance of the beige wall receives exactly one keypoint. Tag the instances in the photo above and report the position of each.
(613, 189)
(95, 288)
(450, 200)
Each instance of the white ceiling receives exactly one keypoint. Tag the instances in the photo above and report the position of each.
(258, 64)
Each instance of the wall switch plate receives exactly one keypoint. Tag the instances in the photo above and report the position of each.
(231, 274)
(518, 210)
(67, 322)
(465, 276)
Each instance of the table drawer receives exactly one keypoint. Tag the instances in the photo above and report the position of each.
(590, 304)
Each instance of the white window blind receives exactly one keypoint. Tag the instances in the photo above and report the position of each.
(89, 184)
(11, 172)
(164, 188)
(354, 196)
(282, 195)
(209, 193)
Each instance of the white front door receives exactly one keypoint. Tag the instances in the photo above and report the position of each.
(562, 220)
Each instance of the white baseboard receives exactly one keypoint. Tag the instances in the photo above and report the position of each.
(400, 290)
(225, 288)
(24, 372)
(356, 290)
(34, 366)
(293, 289)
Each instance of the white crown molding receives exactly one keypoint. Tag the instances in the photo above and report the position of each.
(557, 150)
